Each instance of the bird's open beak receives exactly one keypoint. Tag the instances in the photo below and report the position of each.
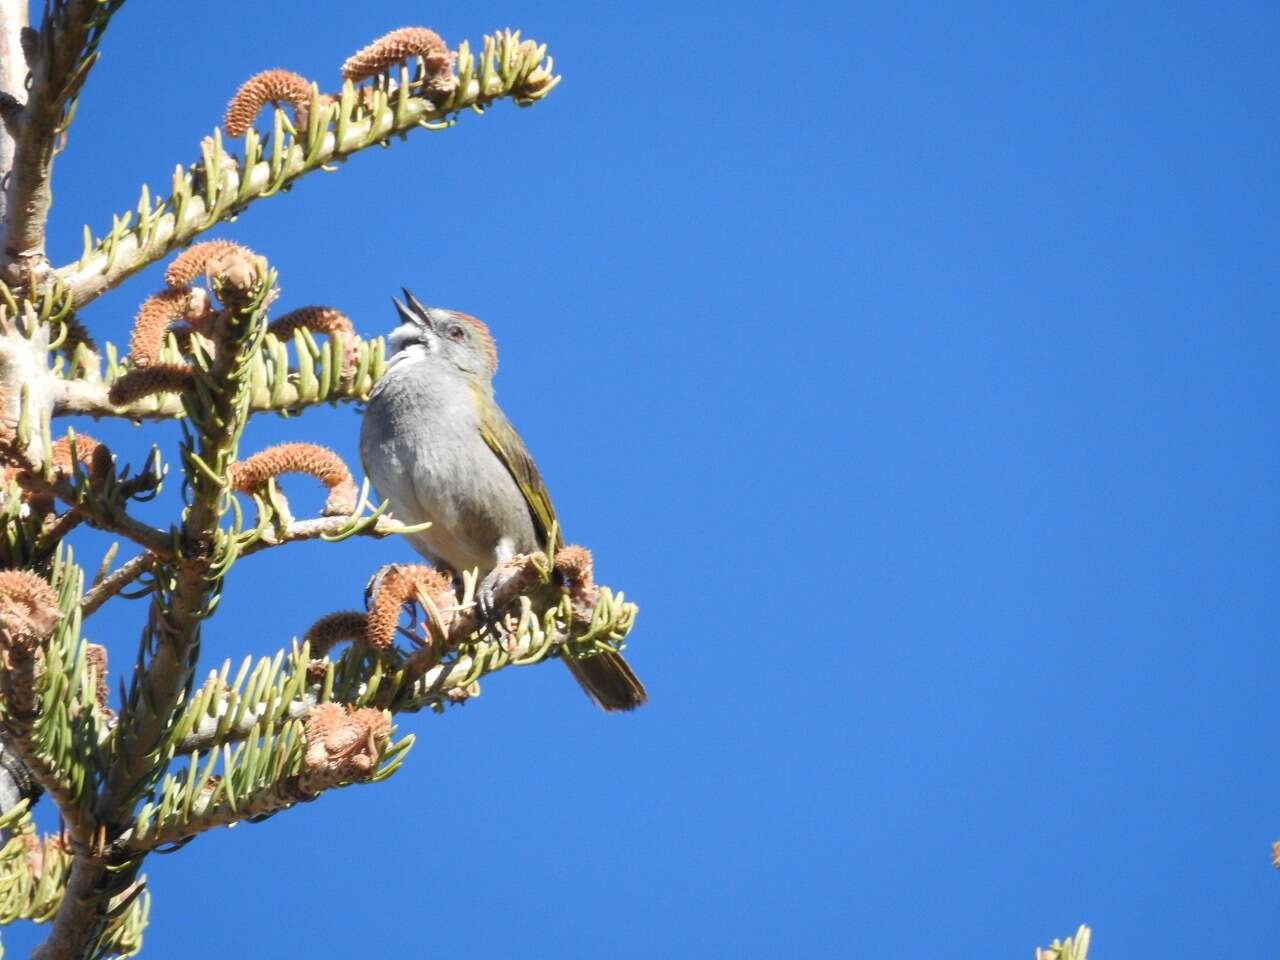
(407, 315)
(416, 306)
(414, 328)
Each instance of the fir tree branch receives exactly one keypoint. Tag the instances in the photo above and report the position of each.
(33, 870)
(272, 770)
(220, 185)
(78, 932)
(332, 372)
(189, 582)
(275, 714)
(283, 690)
(34, 875)
(50, 705)
(1073, 948)
(55, 783)
(16, 782)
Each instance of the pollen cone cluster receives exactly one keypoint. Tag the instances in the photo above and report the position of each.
(158, 314)
(195, 261)
(93, 456)
(398, 586)
(573, 565)
(333, 629)
(157, 378)
(281, 87)
(309, 458)
(325, 320)
(226, 267)
(28, 614)
(270, 86)
(28, 609)
(396, 47)
(342, 745)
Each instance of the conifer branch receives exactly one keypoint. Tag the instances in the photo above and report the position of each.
(51, 707)
(221, 185)
(270, 771)
(441, 669)
(337, 370)
(36, 872)
(103, 507)
(33, 870)
(1073, 948)
(13, 76)
(188, 580)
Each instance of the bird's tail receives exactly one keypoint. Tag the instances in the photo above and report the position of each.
(608, 681)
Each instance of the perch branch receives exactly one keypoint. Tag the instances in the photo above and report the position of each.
(320, 528)
(220, 714)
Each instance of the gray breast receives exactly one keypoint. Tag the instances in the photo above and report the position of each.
(421, 447)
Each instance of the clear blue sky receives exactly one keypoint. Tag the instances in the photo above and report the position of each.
(913, 368)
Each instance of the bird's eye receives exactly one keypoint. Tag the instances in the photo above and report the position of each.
(456, 334)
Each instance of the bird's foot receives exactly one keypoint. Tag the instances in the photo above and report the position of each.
(505, 583)
(489, 592)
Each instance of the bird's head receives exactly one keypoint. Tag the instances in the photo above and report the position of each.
(433, 334)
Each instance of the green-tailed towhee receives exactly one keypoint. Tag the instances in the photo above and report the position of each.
(437, 446)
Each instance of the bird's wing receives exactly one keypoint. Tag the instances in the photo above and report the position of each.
(510, 449)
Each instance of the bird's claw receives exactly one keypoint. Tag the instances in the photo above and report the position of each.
(487, 598)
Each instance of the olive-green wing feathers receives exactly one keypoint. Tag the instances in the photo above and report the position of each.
(510, 449)
(606, 677)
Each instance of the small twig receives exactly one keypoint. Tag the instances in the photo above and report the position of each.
(116, 521)
(114, 582)
(53, 535)
(319, 527)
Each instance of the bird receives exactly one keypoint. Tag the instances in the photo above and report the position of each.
(436, 445)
